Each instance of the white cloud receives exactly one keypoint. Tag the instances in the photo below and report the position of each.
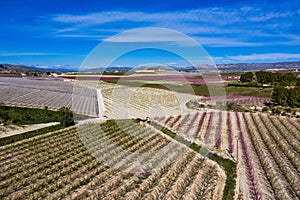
(225, 42)
(152, 34)
(164, 35)
(221, 60)
(43, 66)
(267, 16)
(219, 16)
(26, 54)
(67, 29)
(172, 63)
(81, 36)
(213, 15)
(216, 27)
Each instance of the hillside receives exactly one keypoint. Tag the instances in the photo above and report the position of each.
(8, 68)
(257, 66)
(238, 67)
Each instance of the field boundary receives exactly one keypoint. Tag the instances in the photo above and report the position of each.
(29, 134)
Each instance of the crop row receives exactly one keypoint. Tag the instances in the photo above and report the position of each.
(112, 160)
(82, 100)
(266, 148)
(242, 100)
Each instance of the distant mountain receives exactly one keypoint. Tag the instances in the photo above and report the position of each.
(243, 66)
(54, 68)
(108, 69)
(16, 69)
(8, 68)
(257, 66)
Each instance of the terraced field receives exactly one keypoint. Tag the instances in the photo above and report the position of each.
(113, 160)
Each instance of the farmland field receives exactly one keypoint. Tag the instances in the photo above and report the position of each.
(237, 99)
(60, 165)
(174, 77)
(123, 159)
(138, 100)
(132, 102)
(81, 96)
(52, 94)
(266, 148)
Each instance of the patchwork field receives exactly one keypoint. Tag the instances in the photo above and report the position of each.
(124, 159)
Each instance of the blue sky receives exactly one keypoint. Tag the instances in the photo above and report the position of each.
(63, 33)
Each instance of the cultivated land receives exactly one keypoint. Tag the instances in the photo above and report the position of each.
(266, 147)
(126, 159)
(50, 93)
(9, 130)
(59, 165)
(132, 102)
(237, 99)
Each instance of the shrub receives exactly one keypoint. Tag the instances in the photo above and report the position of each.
(247, 77)
(67, 118)
(265, 109)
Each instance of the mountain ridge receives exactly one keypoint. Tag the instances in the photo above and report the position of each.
(11, 68)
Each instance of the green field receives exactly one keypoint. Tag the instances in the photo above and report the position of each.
(25, 116)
